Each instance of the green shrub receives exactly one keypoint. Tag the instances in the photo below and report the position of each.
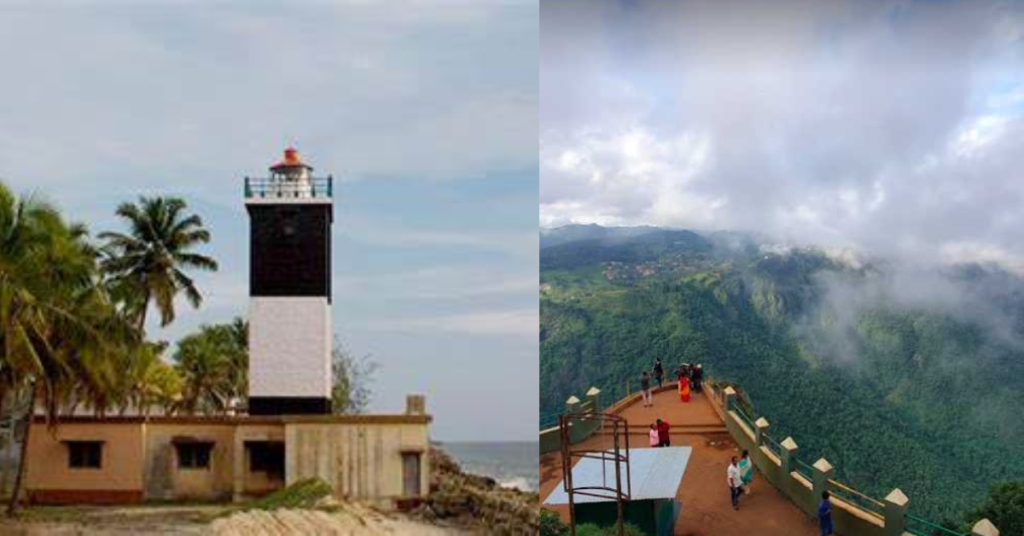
(551, 524)
(302, 494)
(590, 529)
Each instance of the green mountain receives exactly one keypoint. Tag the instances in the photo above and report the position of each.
(900, 376)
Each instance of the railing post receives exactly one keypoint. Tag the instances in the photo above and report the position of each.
(727, 398)
(592, 398)
(822, 473)
(789, 450)
(984, 528)
(762, 429)
(572, 405)
(896, 513)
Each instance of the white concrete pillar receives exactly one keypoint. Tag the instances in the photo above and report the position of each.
(789, 450)
(896, 513)
(984, 528)
(822, 473)
(761, 429)
(728, 397)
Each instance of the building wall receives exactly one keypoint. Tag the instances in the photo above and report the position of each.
(164, 480)
(248, 484)
(360, 456)
(361, 461)
(48, 478)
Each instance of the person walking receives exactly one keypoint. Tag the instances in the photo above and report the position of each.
(655, 437)
(825, 515)
(735, 482)
(645, 389)
(659, 371)
(664, 440)
(746, 471)
(698, 378)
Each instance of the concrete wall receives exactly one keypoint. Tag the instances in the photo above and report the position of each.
(48, 478)
(360, 456)
(360, 460)
(253, 484)
(166, 481)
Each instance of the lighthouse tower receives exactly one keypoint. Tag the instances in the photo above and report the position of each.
(290, 214)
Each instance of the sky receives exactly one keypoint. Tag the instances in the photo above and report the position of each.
(894, 128)
(425, 112)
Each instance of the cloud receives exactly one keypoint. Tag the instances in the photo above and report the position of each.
(834, 123)
(173, 96)
(517, 323)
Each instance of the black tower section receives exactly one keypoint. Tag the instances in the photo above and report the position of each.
(290, 250)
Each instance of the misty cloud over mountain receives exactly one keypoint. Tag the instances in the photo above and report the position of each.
(891, 128)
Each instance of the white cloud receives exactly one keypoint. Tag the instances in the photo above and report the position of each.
(834, 123)
(517, 323)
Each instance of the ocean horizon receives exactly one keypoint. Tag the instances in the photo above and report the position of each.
(512, 464)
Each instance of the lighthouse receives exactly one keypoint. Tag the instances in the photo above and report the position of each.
(290, 337)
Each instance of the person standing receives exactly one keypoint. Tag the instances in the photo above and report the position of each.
(735, 482)
(655, 437)
(698, 378)
(746, 471)
(825, 514)
(659, 371)
(684, 387)
(645, 389)
(664, 440)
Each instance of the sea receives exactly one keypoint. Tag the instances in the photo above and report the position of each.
(512, 464)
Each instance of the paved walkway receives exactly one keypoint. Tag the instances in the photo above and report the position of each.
(706, 510)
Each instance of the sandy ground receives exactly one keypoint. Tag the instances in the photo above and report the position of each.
(109, 521)
(194, 520)
(350, 522)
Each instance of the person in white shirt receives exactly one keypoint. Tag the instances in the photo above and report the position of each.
(735, 481)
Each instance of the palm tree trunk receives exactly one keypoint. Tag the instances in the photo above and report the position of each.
(12, 507)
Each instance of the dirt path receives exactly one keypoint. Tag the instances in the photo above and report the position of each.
(706, 509)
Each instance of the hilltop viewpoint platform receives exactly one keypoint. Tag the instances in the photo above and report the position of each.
(702, 494)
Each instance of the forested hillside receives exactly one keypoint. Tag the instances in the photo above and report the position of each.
(901, 377)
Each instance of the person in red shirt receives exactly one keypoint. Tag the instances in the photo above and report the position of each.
(663, 428)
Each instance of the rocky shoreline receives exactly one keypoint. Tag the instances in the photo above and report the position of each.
(476, 502)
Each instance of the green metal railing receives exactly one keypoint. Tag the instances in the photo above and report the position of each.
(852, 496)
(915, 525)
(773, 446)
(803, 469)
(922, 527)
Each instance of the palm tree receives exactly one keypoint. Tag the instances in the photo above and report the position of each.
(147, 265)
(47, 293)
(150, 382)
(212, 364)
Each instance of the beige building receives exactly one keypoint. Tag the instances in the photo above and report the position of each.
(381, 459)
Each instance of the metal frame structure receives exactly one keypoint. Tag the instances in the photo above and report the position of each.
(619, 429)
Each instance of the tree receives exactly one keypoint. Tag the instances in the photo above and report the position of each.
(148, 381)
(1004, 507)
(147, 265)
(350, 393)
(51, 311)
(213, 365)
